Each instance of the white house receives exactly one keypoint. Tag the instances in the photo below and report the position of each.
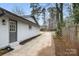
(14, 28)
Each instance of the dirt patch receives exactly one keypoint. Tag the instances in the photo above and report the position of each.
(45, 52)
(64, 47)
(5, 50)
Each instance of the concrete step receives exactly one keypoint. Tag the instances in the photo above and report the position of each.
(15, 45)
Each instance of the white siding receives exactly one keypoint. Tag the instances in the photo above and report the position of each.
(4, 33)
(24, 32)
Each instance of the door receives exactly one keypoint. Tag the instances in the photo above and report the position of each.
(12, 31)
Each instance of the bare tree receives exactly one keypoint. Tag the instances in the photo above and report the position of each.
(52, 15)
(44, 16)
(59, 17)
(36, 10)
(18, 10)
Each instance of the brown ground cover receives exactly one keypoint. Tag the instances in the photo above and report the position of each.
(45, 52)
(64, 47)
(5, 50)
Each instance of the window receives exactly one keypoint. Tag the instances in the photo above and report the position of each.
(12, 26)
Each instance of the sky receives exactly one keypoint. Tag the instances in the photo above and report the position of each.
(26, 8)
(10, 6)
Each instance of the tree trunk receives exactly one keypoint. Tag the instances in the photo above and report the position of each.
(77, 43)
(61, 18)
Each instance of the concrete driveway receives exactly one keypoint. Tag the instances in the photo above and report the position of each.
(34, 47)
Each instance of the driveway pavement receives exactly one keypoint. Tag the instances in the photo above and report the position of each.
(33, 47)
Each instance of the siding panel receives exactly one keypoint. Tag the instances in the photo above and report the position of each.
(24, 32)
(4, 33)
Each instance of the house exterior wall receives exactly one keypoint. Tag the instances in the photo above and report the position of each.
(4, 33)
(24, 32)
